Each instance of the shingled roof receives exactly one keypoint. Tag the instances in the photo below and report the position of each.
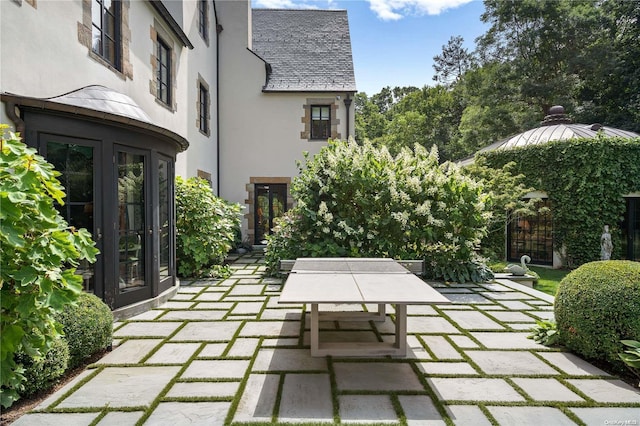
(307, 50)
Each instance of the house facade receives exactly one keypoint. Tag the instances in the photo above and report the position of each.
(122, 96)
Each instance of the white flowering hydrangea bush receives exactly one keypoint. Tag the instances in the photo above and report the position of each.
(357, 200)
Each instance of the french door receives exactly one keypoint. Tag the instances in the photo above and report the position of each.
(133, 225)
(270, 203)
(77, 160)
(631, 230)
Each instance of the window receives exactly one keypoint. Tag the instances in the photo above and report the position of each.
(532, 235)
(203, 21)
(163, 80)
(105, 31)
(320, 122)
(203, 104)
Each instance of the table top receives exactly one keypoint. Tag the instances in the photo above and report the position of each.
(351, 265)
(380, 282)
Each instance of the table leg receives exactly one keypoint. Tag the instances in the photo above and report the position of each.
(401, 328)
(315, 330)
(382, 313)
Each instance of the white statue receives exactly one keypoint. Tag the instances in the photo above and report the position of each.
(606, 246)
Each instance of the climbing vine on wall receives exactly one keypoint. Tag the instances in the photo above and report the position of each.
(586, 180)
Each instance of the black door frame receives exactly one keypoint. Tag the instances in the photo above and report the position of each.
(277, 188)
(631, 218)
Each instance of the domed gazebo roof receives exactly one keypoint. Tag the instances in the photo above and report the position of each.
(555, 126)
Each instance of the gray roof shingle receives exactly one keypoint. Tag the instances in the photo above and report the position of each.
(307, 50)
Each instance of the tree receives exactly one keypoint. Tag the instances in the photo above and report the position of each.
(453, 62)
(369, 121)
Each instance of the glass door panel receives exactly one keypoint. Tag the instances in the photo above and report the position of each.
(533, 236)
(132, 222)
(631, 230)
(271, 202)
(165, 221)
(76, 161)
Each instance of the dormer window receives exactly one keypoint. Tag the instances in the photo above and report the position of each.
(320, 122)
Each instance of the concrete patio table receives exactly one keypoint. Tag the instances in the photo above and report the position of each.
(357, 281)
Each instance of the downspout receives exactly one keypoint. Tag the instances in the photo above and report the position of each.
(347, 104)
(218, 31)
(13, 115)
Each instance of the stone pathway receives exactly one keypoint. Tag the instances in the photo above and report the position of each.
(225, 352)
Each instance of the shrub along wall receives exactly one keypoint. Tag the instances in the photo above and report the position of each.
(585, 180)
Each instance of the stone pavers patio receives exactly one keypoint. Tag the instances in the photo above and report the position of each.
(224, 352)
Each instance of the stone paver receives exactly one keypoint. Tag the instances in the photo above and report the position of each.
(130, 352)
(173, 353)
(530, 416)
(216, 369)
(258, 400)
(601, 390)
(546, 390)
(608, 415)
(306, 398)
(472, 320)
(473, 389)
(510, 362)
(572, 364)
(225, 352)
(367, 409)
(189, 413)
(121, 387)
(467, 415)
(203, 390)
(207, 331)
(509, 340)
(376, 376)
(419, 410)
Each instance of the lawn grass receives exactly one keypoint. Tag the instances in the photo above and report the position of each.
(549, 279)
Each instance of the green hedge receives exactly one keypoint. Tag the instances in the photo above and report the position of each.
(360, 201)
(585, 180)
(87, 326)
(42, 372)
(596, 306)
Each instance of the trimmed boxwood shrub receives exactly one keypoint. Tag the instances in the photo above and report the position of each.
(42, 372)
(596, 306)
(87, 326)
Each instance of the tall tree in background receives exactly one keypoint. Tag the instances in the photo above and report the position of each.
(453, 62)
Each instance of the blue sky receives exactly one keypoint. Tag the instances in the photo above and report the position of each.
(394, 41)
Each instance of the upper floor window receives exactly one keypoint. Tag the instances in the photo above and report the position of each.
(320, 122)
(203, 19)
(105, 31)
(163, 70)
(203, 103)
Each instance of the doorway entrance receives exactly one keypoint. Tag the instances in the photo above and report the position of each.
(631, 230)
(270, 203)
(77, 160)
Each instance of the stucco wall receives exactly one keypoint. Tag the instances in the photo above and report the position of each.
(43, 57)
(260, 133)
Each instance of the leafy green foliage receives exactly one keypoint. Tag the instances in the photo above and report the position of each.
(585, 180)
(206, 228)
(631, 356)
(39, 253)
(360, 201)
(545, 332)
(87, 326)
(507, 194)
(597, 306)
(42, 372)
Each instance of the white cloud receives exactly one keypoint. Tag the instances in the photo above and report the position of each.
(285, 4)
(392, 10)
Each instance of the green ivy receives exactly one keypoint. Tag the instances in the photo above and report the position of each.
(206, 228)
(360, 201)
(39, 253)
(585, 180)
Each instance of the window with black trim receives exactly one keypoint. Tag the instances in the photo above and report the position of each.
(105, 30)
(163, 77)
(203, 103)
(203, 19)
(320, 122)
